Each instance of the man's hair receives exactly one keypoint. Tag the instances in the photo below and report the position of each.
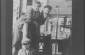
(48, 6)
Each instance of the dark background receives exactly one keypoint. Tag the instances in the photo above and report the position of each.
(77, 27)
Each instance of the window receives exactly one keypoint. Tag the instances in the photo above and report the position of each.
(29, 2)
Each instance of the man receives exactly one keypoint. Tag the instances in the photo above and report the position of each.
(45, 14)
(26, 48)
(32, 15)
(47, 37)
(31, 26)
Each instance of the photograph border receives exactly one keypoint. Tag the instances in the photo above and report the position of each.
(77, 27)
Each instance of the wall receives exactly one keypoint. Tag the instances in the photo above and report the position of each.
(16, 6)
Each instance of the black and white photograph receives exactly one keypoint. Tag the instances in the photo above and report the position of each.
(42, 27)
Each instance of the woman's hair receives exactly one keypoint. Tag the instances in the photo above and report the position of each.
(48, 6)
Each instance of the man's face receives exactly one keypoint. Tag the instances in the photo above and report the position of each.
(37, 7)
(46, 10)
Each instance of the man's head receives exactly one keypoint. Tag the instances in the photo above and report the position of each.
(37, 5)
(26, 43)
(47, 9)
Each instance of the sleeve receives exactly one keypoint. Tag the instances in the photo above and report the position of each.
(25, 30)
(29, 19)
(29, 14)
